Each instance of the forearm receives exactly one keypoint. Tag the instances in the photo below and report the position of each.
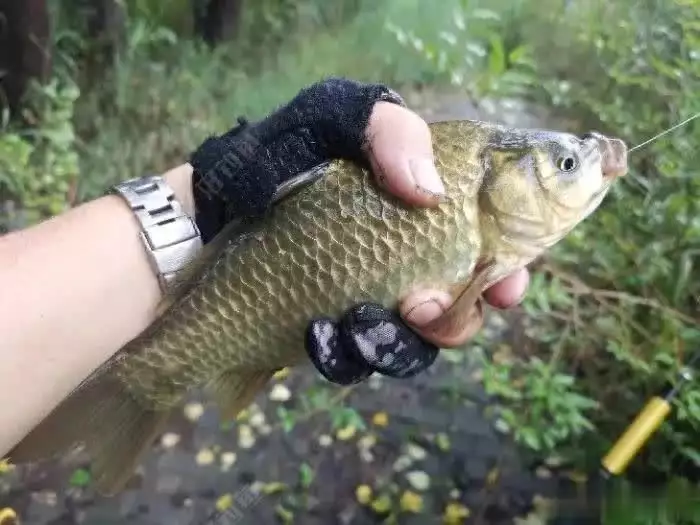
(73, 291)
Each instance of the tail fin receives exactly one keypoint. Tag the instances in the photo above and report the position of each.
(102, 415)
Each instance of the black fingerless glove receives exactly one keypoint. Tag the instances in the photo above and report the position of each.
(369, 338)
(237, 174)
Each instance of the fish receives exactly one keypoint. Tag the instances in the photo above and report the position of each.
(333, 239)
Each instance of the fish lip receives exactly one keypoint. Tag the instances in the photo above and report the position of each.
(612, 154)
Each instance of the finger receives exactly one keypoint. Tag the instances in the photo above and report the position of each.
(509, 291)
(401, 155)
(420, 308)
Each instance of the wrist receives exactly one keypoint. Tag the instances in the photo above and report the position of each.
(163, 207)
(180, 180)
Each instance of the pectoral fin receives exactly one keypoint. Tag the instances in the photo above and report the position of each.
(464, 317)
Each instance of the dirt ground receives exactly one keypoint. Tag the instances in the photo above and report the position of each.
(423, 446)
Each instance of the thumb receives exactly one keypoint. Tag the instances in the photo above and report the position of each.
(401, 155)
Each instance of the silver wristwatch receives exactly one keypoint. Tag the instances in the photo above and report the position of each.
(171, 237)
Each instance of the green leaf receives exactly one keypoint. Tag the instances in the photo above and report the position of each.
(80, 478)
(497, 56)
(306, 475)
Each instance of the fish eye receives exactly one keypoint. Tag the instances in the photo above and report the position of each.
(567, 163)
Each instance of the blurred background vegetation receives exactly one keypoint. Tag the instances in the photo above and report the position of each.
(132, 86)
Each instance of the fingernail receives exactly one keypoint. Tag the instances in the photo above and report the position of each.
(426, 176)
(424, 313)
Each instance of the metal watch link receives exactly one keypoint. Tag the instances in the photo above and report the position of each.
(171, 237)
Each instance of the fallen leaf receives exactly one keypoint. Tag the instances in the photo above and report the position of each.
(382, 504)
(8, 516)
(280, 393)
(80, 478)
(402, 463)
(363, 493)
(205, 457)
(306, 475)
(367, 442)
(501, 426)
(419, 480)
(443, 442)
(257, 420)
(169, 439)
(273, 487)
(455, 513)
(380, 419)
(411, 502)
(325, 440)
(415, 452)
(224, 502)
(227, 460)
(246, 439)
(193, 411)
(346, 432)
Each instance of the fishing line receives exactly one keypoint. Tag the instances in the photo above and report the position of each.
(669, 130)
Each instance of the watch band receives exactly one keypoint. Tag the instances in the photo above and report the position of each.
(171, 237)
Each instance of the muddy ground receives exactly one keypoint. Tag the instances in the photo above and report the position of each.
(421, 445)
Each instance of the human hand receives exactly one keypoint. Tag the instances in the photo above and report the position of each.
(399, 150)
(238, 173)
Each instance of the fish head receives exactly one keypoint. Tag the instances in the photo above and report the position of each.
(539, 185)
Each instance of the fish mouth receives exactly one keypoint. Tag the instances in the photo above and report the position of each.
(613, 154)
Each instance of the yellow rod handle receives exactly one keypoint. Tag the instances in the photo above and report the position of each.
(644, 425)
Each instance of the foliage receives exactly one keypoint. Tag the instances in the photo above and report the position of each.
(615, 304)
(80, 478)
(167, 92)
(541, 405)
(38, 168)
(475, 55)
(676, 504)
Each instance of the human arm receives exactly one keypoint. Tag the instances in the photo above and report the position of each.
(74, 289)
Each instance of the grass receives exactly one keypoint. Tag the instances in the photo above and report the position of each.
(168, 94)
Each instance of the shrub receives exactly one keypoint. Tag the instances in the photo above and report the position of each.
(615, 305)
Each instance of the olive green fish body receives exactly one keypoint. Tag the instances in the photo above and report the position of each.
(338, 242)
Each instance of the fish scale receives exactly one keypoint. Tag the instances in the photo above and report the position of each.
(339, 242)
